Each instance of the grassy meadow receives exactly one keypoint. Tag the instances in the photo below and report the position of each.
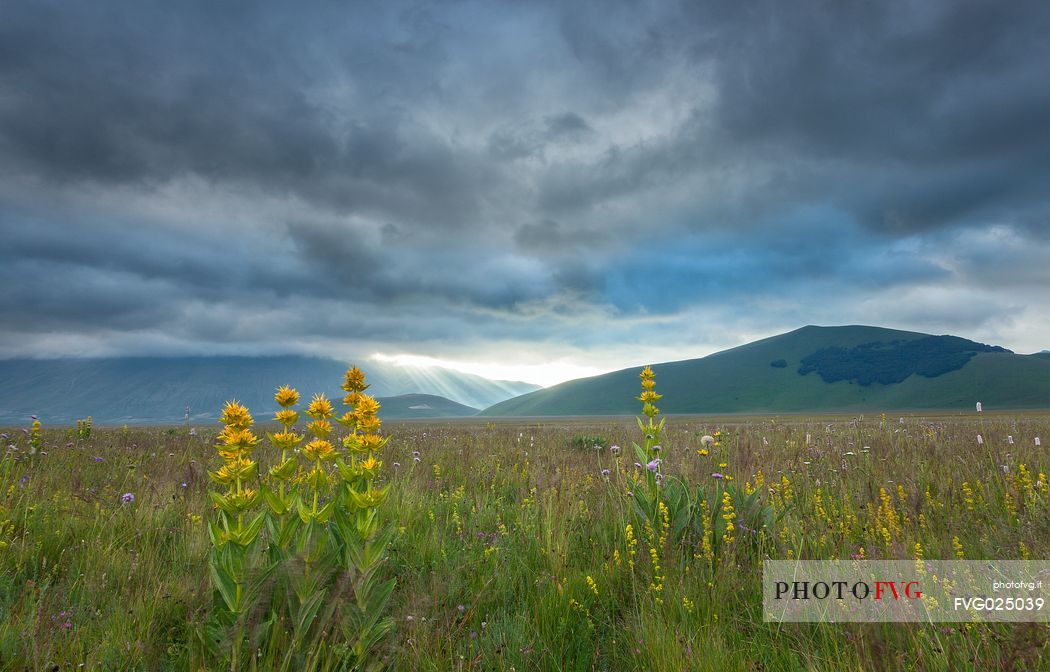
(516, 545)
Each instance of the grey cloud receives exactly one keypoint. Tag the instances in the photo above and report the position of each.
(567, 125)
(235, 98)
(429, 174)
(533, 138)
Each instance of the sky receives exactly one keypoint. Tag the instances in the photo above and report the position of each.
(530, 190)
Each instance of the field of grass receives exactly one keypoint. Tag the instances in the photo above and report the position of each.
(512, 549)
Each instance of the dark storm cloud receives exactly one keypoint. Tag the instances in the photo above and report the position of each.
(940, 108)
(451, 173)
(146, 94)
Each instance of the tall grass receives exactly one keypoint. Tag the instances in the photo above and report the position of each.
(517, 546)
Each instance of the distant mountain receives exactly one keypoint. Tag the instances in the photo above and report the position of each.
(851, 368)
(407, 406)
(159, 389)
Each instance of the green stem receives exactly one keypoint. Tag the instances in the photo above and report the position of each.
(240, 514)
(284, 458)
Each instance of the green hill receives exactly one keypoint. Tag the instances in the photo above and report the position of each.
(851, 368)
(406, 406)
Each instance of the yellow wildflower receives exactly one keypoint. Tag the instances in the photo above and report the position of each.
(352, 399)
(320, 428)
(236, 415)
(632, 544)
(366, 406)
(354, 381)
(371, 465)
(369, 424)
(728, 515)
(373, 442)
(286, 396)
(285, 440)
(240, 501)
(320, 408)
(318, 450)
(968, 495)
(286, 417)
(236, 441)
(649, 396)
(239, 468)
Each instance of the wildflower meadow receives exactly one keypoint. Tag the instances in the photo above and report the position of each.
(311, 535)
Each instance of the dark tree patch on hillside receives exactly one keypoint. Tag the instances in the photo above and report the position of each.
(890, 362)
(778, 364)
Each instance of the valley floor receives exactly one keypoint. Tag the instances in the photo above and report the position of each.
(518, 548)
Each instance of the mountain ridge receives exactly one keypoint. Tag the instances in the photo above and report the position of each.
(409, 406)
(748, 378)
(158, 389)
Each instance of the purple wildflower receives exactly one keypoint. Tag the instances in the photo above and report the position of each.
(127, 498)
(654, 465)
(717, 475)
